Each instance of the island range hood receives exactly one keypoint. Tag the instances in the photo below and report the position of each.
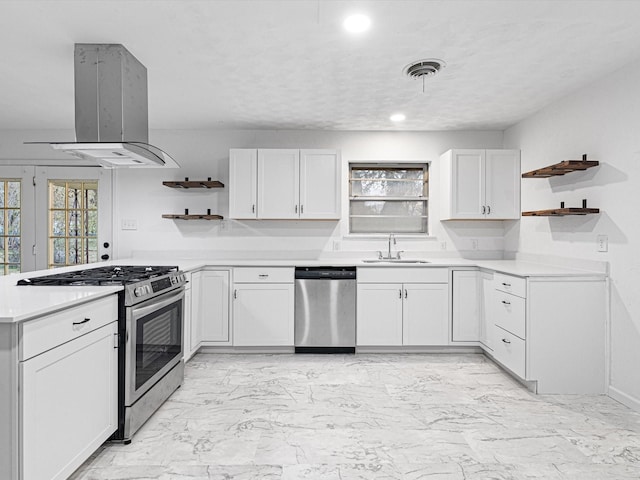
(112, 126)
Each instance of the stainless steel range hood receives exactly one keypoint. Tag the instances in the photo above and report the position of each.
(112, 126)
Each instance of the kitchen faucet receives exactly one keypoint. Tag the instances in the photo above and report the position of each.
(392, 237)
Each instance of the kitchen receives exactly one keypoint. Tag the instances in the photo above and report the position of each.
(565, 107)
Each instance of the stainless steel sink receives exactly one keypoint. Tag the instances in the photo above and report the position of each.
(393, 260)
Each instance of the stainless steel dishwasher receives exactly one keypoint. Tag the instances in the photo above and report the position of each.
(325, 310)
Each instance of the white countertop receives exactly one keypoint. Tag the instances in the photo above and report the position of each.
(23, 303)
(19, 303)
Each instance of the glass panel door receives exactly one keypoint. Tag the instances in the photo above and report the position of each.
(16, 220)
(73, 217)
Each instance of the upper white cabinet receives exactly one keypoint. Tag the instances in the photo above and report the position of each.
(243, 183)
(480, 184)
(284, 184)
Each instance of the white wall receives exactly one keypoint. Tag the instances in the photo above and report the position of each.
(140, 196)
(602, 120)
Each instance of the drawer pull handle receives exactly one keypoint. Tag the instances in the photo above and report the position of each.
(83, 321)
(506, 284)
(235, 293)
(505, 302)
(505, 340)
(405, 293)
(263, 275)
(400, 293)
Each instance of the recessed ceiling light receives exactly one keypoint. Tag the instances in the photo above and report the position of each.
(357, 23)
(397, 117)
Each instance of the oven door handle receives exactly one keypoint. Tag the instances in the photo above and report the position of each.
(138, 312)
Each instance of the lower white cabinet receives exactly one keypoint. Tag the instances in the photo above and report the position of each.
(390, 314)
(465, 310)
(263, 306)
(68, 395)
(207, 314)
(263, 314)
(486, 310)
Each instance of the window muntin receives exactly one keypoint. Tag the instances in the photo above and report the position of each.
(388, 198)
(73, 222)
(10, 228)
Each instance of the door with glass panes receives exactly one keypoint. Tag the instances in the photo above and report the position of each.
(72, 216)
(53, 217)
(17, 230)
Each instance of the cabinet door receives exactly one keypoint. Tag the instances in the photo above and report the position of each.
(379, 314)
(487, 304)
(320, 184)
(214, 309)
(467, 184)
(243, 183)
(69, 403)
(466, 306)
(426, 314)
(263, 314)
(278, 184)
(195, 340)
(502, 179)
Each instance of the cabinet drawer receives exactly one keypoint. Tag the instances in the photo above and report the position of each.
(510, 313)
(263, 275)
(403, 275)
(510, 284)
(509, 350)
(47, 332)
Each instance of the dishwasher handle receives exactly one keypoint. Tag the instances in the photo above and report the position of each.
(325, 273)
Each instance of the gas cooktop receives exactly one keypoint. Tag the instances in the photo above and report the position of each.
(112, 275)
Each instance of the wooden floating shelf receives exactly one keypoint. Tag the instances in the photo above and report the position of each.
(562, 168)
(194, 184)
(190, 216)
(561, 212)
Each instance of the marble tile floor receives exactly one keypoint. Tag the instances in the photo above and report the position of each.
(344, 417)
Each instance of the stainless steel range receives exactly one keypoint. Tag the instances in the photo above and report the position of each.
(150, 326)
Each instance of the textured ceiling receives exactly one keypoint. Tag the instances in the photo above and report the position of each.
(290, 64)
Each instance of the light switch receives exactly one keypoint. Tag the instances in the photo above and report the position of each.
(603, 243)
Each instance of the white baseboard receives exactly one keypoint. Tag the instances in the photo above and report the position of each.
(627, 400)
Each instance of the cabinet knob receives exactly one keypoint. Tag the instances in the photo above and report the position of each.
(506, 284)
(505, 340)
(400, 293)
(83, 321)
(253, 208)
(505, 302)
(405, 293)
(484, 209)
(301, 209)
(296, 208)
(235, 294)
(488, 209)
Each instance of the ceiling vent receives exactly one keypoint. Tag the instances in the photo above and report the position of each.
(424, 68)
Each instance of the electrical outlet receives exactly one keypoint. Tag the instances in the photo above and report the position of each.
(224, 225)
(443, 245)
(474, 244)
(603, 243)
(129, 224)
(336, 245)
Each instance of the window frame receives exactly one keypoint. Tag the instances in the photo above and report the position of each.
(408, 164)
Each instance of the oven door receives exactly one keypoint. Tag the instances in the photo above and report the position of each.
(153, 342)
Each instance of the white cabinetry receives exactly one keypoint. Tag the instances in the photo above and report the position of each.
(209, 310)
(263, 306)
(480, 184)
(465, 310)
(243, 183)
(486, 310)
(68, 393)
(412, 309)
(551, 330)
(284, 184)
